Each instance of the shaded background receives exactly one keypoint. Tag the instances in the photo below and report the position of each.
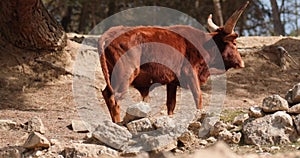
(262, 17)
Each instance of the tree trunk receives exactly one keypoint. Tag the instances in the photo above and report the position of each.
(28, 25)
(218, 10)
(296, 20)
(278, 27)
(66, 19)
(84, 17)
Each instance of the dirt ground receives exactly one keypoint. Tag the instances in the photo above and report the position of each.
(40, 84)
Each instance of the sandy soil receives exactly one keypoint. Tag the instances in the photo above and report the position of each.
(34, 84)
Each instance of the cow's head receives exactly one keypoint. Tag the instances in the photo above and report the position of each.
(225, 39)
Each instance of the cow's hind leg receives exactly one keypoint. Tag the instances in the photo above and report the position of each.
(171, 98)
(113, 106)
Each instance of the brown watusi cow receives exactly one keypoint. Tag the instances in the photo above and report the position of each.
(173, 56)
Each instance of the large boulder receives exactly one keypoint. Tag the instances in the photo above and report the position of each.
(272, 129)
(274, 103)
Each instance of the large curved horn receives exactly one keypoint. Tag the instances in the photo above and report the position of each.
(231, 22)
(211, 25)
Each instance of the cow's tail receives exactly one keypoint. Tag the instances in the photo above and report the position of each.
(103, 63)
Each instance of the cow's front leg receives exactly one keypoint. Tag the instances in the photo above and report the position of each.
(171, 98)
(197, 95)
(198, 101)
(113, 106)
(194, 86)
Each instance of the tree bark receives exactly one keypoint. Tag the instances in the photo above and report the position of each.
(28, 25)
(218, 10)
(278, 27)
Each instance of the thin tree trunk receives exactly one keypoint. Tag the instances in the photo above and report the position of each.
(83, 20)
(218, 10)
(66, 19)
(278, 27)
(297, 15)
(28, 25)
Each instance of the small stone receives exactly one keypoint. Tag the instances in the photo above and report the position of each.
(80, 126)
(297, 123)
(89, 135)
(54, 141)
(39, 153)
(194, 127)
(160, 143)
(178, 151)
(273, 148)
(203, 142)
(112, 135)
(163, 122)
(36, 140)
(296, 94)
(200, 115)
(236, 129)
(274, 103)
(207, 125)
(289, 95)
(11, 152)
(187, 138)
(217, 128)
(211, 140)
(7, 125)
(240, 119)
(141, 125)
(137, 111)
(230, 126)
(140, 110)
(295, 109)
(35, 124)
(225, 135)
(93, 150)
(255, 112)
(236, 137)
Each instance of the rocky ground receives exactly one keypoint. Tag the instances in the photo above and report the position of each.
(40, 109)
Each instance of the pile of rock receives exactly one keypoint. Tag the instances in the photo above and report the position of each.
(141, 132)
(277, 121)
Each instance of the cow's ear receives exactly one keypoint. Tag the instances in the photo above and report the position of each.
(230, 37)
